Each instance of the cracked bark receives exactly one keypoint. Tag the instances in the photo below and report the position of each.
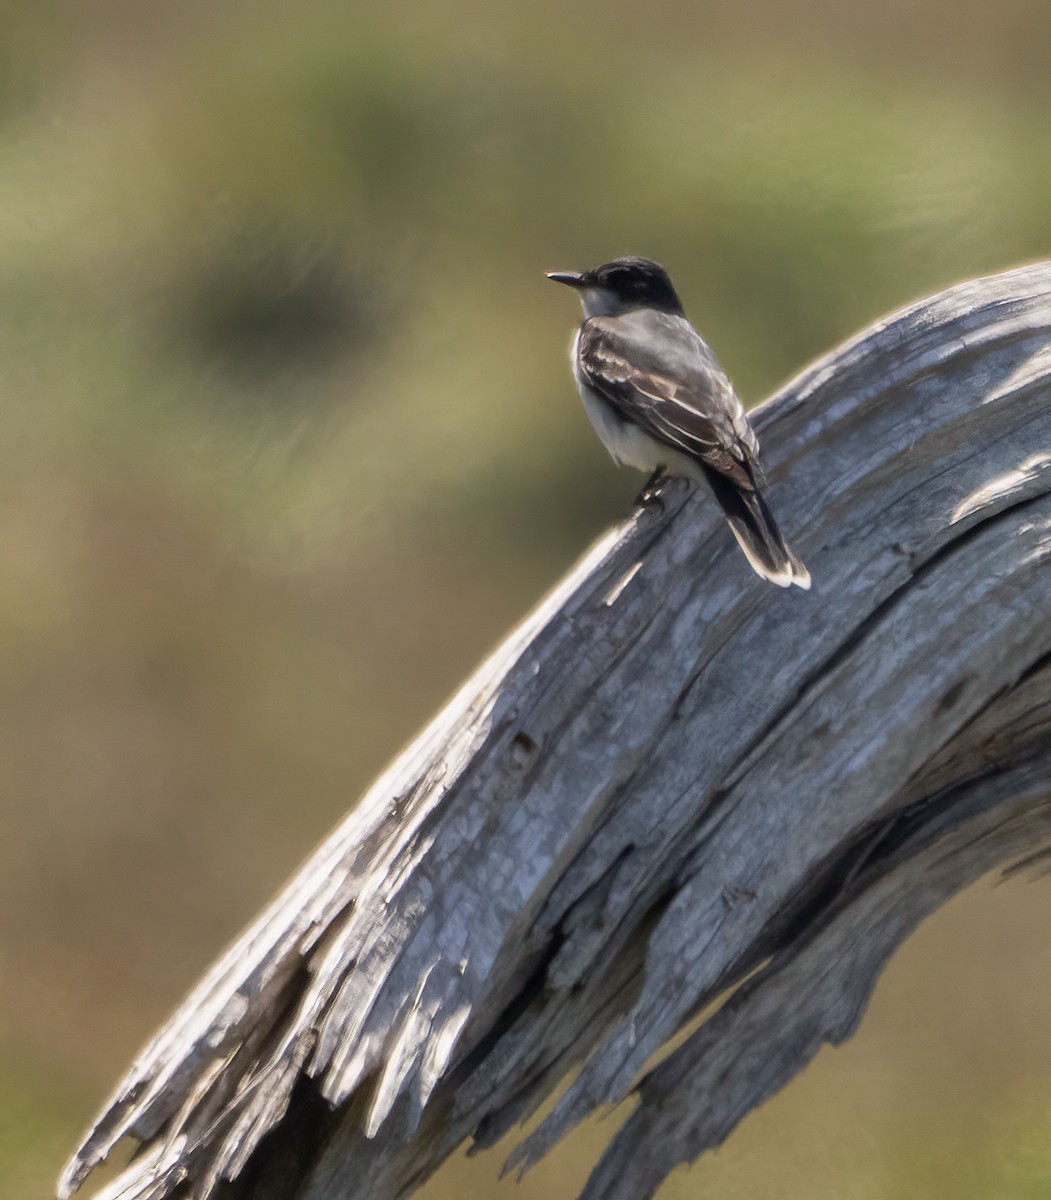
(673, 788)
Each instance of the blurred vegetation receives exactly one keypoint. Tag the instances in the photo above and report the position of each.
(289, 440)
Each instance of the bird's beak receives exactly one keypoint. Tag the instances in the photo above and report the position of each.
(575, 279)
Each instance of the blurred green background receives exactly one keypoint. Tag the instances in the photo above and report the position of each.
(289, 440)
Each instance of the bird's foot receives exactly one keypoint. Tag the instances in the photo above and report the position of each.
(651, 490)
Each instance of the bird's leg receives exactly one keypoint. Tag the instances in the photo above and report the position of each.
(651, 489)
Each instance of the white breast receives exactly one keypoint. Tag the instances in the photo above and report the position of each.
(628, 445)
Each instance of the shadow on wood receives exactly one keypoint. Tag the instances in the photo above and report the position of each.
(673, 784)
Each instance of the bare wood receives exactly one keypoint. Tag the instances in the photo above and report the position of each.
(671, 778)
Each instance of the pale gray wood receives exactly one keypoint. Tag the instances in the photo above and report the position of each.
(672, 777)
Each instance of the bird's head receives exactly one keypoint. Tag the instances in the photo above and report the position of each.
(622, 285)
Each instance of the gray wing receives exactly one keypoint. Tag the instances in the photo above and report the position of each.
(657, 372)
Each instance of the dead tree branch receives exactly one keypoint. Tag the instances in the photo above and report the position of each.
(672, 784)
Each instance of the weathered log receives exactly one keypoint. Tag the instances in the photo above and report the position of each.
(672, 785)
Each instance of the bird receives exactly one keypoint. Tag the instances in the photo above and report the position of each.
(660, 401)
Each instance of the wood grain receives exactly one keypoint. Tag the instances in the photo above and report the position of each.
(672, 785)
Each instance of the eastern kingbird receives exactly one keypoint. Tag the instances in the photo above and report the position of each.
(659, 400)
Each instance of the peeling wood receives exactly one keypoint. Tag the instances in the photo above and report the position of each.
(672, 784)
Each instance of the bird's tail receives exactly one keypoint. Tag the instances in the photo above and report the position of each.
(757, 533)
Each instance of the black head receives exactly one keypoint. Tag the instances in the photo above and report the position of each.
(632, 282)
